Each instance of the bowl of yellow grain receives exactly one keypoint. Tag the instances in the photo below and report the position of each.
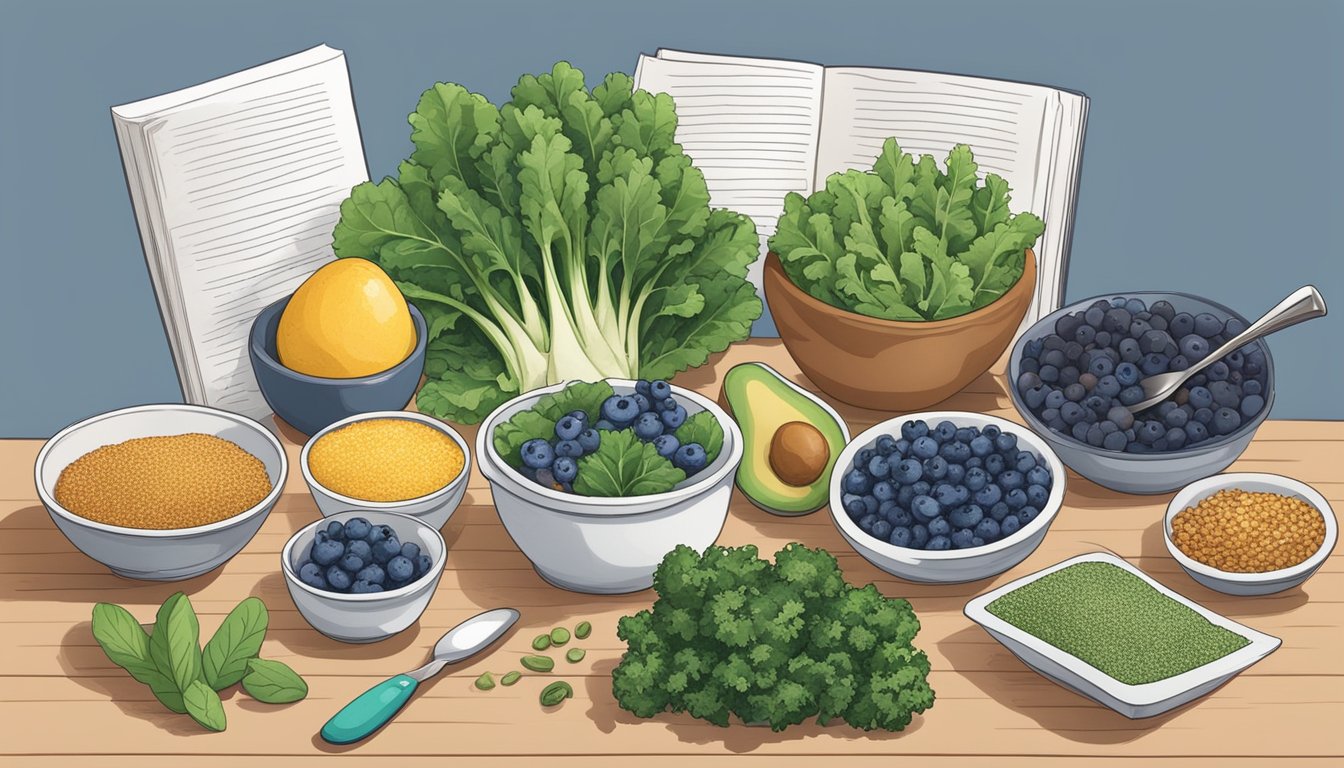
(1250, 533)
(389, 461)
(161, 492)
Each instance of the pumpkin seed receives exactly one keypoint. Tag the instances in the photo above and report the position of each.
(538, 663)
(582, 630)
(559, 636)
(575, 655)
(510, 678)
(541, 642)
(555, 693)
(485, 682)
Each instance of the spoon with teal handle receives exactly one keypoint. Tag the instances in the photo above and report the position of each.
(373, 708)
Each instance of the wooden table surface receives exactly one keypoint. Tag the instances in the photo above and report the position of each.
(60, 696)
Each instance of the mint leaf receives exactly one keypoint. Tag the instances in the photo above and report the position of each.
(624, 465)
(123, 640)
(175, 644)
(704, 429)
(238, 639)
(273, 682)
(204, 706)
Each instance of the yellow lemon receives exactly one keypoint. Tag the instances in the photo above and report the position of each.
(347, 320)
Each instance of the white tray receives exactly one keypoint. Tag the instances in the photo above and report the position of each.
(1133, 701)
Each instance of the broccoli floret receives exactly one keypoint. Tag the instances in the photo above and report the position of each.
(777, 643)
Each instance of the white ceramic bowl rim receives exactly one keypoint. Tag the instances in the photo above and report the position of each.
(1200, 489)
(277, 487)
(915, 556)
(729, 456)
(388, 506)
(287, 558)
(1208, 446)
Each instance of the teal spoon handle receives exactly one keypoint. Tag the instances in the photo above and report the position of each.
(369, 711)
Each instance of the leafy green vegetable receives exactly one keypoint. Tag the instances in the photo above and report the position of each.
(175, 644)
(540, 419)
(273, 682)
(732, 634)
(204, 706)
(704, 429)
(564, 235)
(906, 241)
(624, 465)
(237, 640)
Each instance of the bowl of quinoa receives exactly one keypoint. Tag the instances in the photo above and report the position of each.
(388, 461)
(1250, 533)
(161, 492)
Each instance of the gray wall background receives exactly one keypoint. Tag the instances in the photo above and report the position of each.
(1213, 159)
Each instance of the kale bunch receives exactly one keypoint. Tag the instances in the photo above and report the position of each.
(732, 634)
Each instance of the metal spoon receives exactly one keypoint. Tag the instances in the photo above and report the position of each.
(1305, 303)
(373, 708)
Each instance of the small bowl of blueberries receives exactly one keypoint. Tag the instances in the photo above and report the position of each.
(1074, 373)
(946, 497)
(363, 575)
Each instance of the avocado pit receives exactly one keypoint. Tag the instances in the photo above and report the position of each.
(798, 453)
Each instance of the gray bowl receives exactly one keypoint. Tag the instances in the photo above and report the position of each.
(369, 617)
(310, 403)
(159, 555)
(1143, 473)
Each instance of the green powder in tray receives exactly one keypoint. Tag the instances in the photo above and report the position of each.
(1117, 622)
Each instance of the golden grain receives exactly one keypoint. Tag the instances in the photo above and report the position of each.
(385, 460)
(1249, 532)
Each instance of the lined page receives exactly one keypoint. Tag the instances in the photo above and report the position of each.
(749, 124)
(248, 183)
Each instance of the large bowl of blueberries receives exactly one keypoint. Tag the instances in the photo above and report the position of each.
(946, 497)
(1073, 374)
(611, 544)
(363, 575)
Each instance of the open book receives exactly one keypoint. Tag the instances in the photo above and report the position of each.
(760, 128)
(236, 185)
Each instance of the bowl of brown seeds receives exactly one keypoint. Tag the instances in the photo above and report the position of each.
(1250, 533)
(161, 492)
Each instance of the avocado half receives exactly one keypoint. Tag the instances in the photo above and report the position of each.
(761, 401)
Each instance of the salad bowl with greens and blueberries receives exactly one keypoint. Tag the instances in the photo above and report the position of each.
(597, 481)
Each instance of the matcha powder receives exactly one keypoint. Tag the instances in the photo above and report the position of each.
(1117, 622)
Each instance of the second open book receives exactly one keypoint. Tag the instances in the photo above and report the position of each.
(760, 128)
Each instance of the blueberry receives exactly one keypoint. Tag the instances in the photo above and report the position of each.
(1085, 335)
(1009, 525)
(1094, 315)
(1101, 366)
(963, 539)
(1225, 394)
(666, 404)
(863, 456)
(907, 471)
(589, 440)
(1225, 421)
(673, 417)
(1127, 374)
(867, 522)
(988, 496)
(956, 473)
(1079, 431)
(1131, 395)
(1068, 375)
(857, 481)
(987, 529)
(1006, 442)
(925, 507)
(565, 469)
(881, 530)
(1176, 418)
(568, 428)
(944, 432)
(913, 430)
(1200, 397)
(1049, 374)
(921, 488)
(1055, 399)
(902, 448)
(361, 587)
(338, 578)
(1176, 438)
(568, 448)
(1072, 413)
(976, 478)
(955, 452)
(1037, 495)
(946, 495)
(1027, 514)
(1151, 431)
(900, 537)
(1115, 441)
(359, 548)
(1074, 393)
(1038, 475)
(1108, 386)
(1208, 325)
(351, 563)
(648, 426)
(1011, 479)
(1251, 405)
(999, 511)
(967, 516)
(327, 552)
(1129, 350)
(642, 387)
(994, 464)
(1203, 415)
(935, 468)
(357, 528)
(690, 458)
(620, 409)
(400, 568)
(919, 536)
(1097, 404)
(886, 445)
(1251, 387)
(335, 530)
(884, 491)
(854, 506)
(939, 526)
(1178, 363)
(938, 544)
(660, 390)
(1154, 364)
(386, 550)
(924, 447)
(422, 565)
(537, 454)
(310, 573)
(1196, 432)
(603, 425)
(1054, 357)
(666, 445)
(1024, 461)
(410, 550)
(1156, 342)
(1068, 324)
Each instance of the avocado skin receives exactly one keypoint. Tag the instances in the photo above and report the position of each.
(761, 400)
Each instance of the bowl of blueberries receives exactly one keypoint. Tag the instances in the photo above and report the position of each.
(946, 497)
(361, 576)
(1073, 374)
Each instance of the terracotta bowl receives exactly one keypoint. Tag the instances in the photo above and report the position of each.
(891, 365)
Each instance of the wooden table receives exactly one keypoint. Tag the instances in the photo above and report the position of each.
(59, 695)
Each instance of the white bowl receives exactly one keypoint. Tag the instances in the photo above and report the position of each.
(1132, 701)
(952, 566)
(367, 617)
(434, 508)
(159, 555)
(609, 545)
(1251, 583)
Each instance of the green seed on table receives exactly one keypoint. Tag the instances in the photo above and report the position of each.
(575, 655)
(510, 678)
(538, 663)
(582, 630)
(485, 682)
(555, 693)
(541, 642)
(559, 636)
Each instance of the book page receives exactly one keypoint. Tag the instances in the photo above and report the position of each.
(749, 124)
(248, 183)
